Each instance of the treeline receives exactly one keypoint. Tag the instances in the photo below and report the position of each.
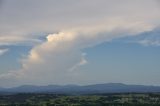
(130, 99)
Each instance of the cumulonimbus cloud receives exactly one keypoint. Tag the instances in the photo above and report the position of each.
(56, 59)
(58, 56)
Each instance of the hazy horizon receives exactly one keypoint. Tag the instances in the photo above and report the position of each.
(60, 42)
(111, 84)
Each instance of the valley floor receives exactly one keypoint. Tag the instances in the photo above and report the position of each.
(126, 99)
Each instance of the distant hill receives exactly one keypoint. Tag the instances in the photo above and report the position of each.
(89, 89)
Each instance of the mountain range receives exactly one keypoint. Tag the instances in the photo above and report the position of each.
(88, 89)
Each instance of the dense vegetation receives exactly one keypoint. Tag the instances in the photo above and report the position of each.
(127, 99)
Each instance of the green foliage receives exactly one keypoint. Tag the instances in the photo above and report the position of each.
(132, 99)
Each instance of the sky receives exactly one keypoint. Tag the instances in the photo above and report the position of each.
(44, 42)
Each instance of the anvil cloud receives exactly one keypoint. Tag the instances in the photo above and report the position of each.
(74, 26)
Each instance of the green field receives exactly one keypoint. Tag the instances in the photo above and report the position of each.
(127, 99)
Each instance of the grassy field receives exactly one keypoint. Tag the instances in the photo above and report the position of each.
(127, 99)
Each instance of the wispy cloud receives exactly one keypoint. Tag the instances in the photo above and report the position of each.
(150, 38)
(149, 42)
(3, 51)
(18, 40)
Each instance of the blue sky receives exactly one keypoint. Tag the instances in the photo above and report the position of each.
(11, 59)
(124, 62)
(121, 60)
(68, 42)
